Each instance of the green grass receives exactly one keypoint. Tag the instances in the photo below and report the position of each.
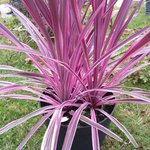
(137, 120)
(135, 117)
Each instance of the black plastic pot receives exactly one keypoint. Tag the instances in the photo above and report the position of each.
(82, 140)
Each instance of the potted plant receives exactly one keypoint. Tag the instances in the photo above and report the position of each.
(80, 72)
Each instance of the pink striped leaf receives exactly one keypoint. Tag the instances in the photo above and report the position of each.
(33, 130)
(120, 126)
(27, 117)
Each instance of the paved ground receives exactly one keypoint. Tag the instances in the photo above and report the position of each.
(5, 11)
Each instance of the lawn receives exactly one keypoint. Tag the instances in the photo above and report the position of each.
(135, 117)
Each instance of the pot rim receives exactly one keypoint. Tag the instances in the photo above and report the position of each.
(86, 126)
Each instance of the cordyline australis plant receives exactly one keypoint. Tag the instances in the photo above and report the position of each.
(78, 67)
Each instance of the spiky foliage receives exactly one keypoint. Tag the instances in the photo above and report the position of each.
(81, 64)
